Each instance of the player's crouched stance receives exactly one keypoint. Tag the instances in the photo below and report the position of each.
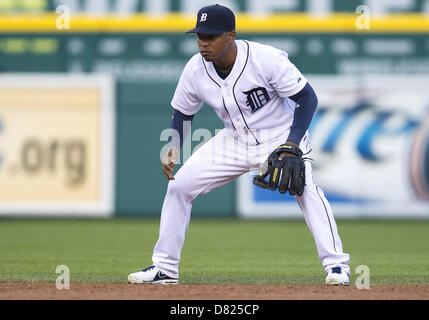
(251, 87)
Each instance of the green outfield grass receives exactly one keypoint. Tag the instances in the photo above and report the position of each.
(215, 252)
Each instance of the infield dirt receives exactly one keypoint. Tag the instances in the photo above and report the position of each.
(48, 291)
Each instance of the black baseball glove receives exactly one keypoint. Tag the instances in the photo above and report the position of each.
(286, 174)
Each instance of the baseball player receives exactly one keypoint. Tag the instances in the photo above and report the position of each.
(266, 105)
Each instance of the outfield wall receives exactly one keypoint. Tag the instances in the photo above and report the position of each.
(370, 151)
(145, 56)
(57, 145)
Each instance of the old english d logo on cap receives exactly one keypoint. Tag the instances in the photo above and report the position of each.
(215, 19)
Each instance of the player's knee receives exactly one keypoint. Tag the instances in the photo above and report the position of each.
(180, 188)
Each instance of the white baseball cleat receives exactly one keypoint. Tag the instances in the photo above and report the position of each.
(337, 277)
(151, 275)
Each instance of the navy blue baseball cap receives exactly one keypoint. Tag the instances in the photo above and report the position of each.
(215, 19)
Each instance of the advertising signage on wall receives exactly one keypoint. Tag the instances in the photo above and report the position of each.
(125, 7)
(56, 145)
(370, 145)
(160, 58)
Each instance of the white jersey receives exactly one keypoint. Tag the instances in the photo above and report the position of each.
(253, 97)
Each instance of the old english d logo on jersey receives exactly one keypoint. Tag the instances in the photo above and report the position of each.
(257, 98)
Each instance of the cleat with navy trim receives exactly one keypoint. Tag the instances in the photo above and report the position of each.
(337, 277)
(153, 275)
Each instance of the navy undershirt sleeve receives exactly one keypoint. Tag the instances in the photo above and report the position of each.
(177, 124)
(306, 101)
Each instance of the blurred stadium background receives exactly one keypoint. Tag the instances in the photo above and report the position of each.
(85, 91)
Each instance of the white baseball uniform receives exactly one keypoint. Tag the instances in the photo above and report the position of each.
(254, 106)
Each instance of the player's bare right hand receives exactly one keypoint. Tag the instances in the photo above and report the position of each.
(169, 161)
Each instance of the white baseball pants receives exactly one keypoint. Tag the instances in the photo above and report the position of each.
(219, 161)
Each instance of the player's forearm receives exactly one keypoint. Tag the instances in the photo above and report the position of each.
(177, 123)
(307, 104)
